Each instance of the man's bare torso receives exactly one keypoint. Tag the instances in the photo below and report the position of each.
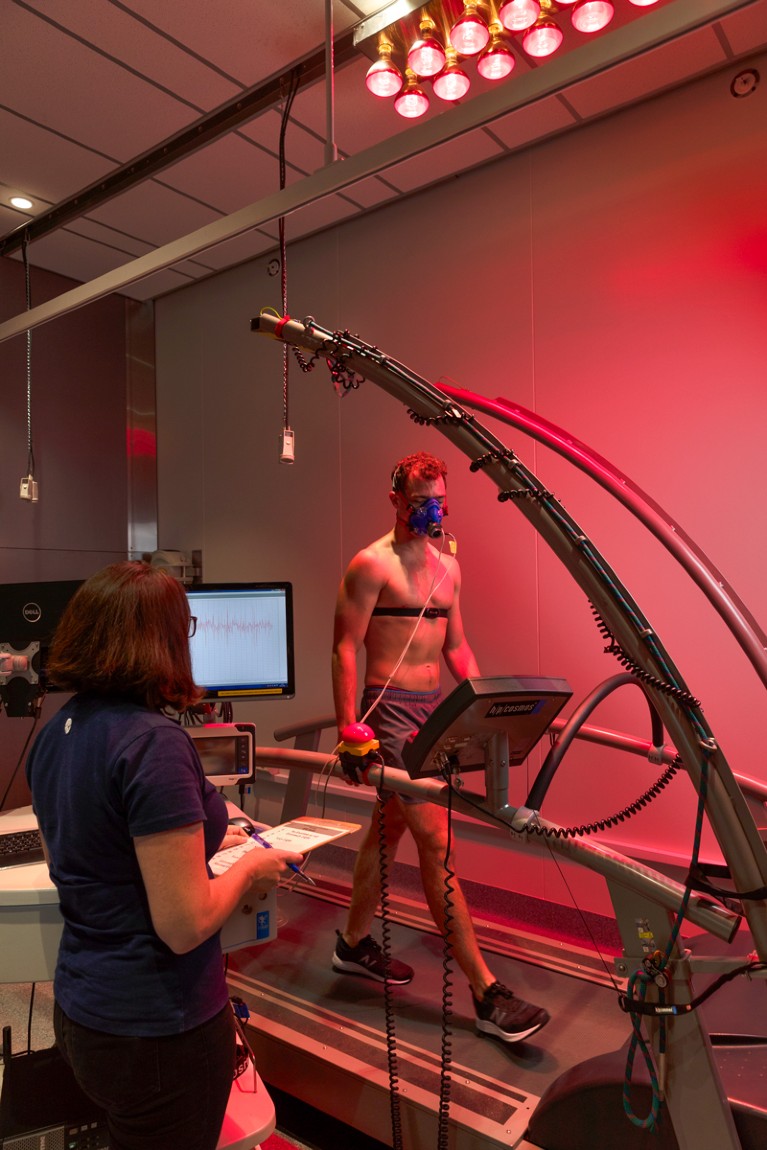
(409, 576)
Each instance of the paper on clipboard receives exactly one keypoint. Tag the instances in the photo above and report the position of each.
(305, 833)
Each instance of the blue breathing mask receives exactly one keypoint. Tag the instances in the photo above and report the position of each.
(427, 519)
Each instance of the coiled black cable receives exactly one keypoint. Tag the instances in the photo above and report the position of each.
(612, 820)
(505, 455)
(538, 493)
(666, 688)
(451, 415)
(389, 1022)
(446, 1047)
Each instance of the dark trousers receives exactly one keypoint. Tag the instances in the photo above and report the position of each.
(167, 1093)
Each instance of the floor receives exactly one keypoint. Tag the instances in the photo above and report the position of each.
(325, 1018)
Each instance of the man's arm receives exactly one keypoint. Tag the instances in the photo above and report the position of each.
(357, 596)
(456, 651)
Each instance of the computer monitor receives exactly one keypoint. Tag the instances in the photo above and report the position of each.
(227, 752)
(29, 614)
(243, 644)
(457, 734)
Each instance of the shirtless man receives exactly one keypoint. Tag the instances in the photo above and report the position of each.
(381, 595)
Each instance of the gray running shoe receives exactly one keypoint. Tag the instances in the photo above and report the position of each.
(507, 1017)
(367, 959)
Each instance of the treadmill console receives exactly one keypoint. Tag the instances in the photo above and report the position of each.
(456, 736)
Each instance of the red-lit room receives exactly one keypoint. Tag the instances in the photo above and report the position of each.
(381, 472)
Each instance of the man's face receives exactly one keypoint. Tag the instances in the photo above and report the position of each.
(418, 491)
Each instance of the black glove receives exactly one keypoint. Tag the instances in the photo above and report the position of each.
(356, 767)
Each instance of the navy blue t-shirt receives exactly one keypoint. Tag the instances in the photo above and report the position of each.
(103, 772)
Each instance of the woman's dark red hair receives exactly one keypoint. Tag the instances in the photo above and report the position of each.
(125, 633)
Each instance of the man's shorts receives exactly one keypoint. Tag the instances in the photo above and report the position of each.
(398, 715)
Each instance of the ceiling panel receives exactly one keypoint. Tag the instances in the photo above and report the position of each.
(657, 70)
(155, 212)
(74, 91)
(246, 39)
(89, 85)
(229, 173)
(534, 122)
(455, 156)
(45, 165)
(119, 37)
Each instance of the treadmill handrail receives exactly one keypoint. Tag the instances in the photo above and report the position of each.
(648, 883)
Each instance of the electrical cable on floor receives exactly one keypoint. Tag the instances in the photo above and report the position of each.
(390, 1025)
(446, 1059)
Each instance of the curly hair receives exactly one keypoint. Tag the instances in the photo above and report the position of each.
(423, 464)
(125, 633)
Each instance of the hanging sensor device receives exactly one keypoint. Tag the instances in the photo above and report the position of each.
(28, 489)
(287, 448)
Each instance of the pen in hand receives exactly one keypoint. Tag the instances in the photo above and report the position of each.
(292, 866)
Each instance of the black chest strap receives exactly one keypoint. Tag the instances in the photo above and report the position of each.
(412, 612)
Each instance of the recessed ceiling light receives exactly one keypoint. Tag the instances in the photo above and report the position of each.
(21, 202)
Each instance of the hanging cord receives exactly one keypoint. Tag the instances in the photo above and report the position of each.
(446, 1048)
(291, 95)
(390, 1025)
(28, 300)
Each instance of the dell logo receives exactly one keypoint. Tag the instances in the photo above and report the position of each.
(32, 612)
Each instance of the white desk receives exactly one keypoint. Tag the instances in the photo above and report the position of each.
(31, 923)
(30, 919)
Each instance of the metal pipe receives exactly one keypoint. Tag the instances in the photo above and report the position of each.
(648, 883)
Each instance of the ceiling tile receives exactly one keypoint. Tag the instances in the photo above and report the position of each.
(746, 30)
(49, 167)
(647, 74)
(118, 34)
(229, 173)
(472, 148)
(78, 93)
(154, 213)
(246, 40)
(533, 122)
